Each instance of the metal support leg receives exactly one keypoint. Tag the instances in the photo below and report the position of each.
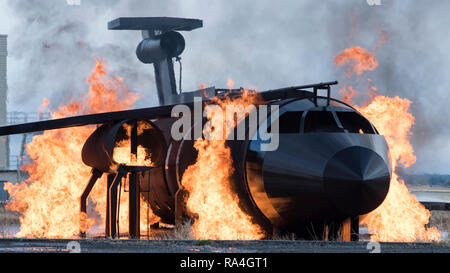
(113, 204)
(96, 174)
(332, 231)
(134, 194)
(355, 229)
(180, 206)
(134, 206)
(134, 143)
(109, 181)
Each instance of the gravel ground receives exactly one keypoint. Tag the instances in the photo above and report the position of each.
(178, 244)
(192, 246)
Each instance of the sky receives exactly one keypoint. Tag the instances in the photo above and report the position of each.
(259, 44)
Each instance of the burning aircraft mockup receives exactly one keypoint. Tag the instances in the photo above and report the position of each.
(330, 167)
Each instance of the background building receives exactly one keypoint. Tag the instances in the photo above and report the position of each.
(4, 145)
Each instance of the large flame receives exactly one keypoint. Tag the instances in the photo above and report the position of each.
(49, 200)
(400, 217)
(209, 184)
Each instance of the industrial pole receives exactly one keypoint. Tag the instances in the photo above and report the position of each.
(4, 140)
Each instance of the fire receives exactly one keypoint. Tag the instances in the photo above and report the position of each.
(122, 154)
(400, 217)
(209, 184)
(383, 38)
(347, 94)
(230, 83)
(397, 131)
(49, 200)
(358, 60)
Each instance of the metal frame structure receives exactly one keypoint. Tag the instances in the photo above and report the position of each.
(113, 202)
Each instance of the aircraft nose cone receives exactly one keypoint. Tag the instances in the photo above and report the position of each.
(356, 180)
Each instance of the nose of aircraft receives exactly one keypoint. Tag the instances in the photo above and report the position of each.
(356, 180)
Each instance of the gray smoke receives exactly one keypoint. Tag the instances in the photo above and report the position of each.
(259, 43)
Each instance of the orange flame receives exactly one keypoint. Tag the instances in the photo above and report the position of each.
(230, 83)
(122, 154)
(347, 94)
(209, 184)
(383, 38)
(358, 60)
(49, 200)
(400, 217)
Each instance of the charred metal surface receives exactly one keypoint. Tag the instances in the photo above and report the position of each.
(96, 174)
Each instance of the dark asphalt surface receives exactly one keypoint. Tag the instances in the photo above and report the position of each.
(16, 245)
